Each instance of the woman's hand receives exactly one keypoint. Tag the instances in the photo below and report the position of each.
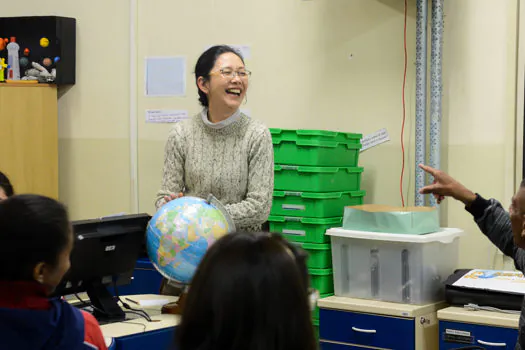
(172, 196)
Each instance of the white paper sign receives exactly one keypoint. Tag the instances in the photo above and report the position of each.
(165, 76)
(165, 115)
(377, 138)
(501, 281)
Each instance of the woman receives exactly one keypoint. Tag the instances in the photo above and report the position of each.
(250, 292)
(221, 151)
(35, 244)
(6, 189)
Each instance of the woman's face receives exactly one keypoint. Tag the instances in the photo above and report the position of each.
(228, 82)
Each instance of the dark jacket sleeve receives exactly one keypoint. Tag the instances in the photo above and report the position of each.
(494, 222)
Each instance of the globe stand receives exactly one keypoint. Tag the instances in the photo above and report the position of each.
(180, 290)
(177, 307)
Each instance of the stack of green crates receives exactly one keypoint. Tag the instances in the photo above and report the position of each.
(316, 176)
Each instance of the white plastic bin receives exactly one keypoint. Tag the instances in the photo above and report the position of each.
(391, 267)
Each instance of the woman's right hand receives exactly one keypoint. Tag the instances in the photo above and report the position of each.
(172, 196)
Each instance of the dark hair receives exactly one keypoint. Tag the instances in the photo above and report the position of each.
(250, 292)
(33, 229)
(5, 184)
(205, 64)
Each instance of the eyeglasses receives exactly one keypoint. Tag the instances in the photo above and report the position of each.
(229, 73)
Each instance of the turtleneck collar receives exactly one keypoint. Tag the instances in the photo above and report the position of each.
(222, 124)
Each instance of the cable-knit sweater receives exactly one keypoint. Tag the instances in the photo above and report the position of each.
(233, 160)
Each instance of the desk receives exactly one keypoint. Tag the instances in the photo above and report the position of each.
(350, 323)
(460, 327)
(139, 334)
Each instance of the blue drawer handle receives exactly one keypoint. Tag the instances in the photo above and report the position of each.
(487, 343)
(369, 331)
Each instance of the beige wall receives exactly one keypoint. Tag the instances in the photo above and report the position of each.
(302, 78)
(93, 114)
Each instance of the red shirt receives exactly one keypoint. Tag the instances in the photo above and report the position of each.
(32, 296)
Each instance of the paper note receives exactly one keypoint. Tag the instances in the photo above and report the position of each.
(244, 50)
(152, 302)
(500, 281)
(165, 76)
(377, 138)
(165, 115)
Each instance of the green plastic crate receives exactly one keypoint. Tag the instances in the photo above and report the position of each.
(314, 205)
(317, 179)
(315, 324)
(315, 313)
(319, 254)
(305, 230)
(316, 153)
(321, 135)
(322, 280)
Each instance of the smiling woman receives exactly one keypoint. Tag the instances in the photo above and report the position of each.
(221, 151)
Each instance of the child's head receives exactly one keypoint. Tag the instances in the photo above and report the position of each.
(6, 189)
(35, 240)
(251, 291)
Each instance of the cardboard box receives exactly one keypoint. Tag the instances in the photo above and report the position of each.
(389, 219)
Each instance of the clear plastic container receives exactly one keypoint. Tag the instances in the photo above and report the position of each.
(398, 268)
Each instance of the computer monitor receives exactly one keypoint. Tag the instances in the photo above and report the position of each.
(104, 254)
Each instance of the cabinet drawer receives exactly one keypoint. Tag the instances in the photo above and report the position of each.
(454, 335)
(332, 346)
(161, 339)
(367, 329)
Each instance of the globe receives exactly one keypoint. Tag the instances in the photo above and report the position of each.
(180, 233)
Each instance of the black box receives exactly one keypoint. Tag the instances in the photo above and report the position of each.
(61, 33)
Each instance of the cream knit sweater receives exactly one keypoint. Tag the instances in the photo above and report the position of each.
(233, 160)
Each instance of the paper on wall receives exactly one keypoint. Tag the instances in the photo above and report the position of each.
(165, 76)
(165, 115)
(374, 139)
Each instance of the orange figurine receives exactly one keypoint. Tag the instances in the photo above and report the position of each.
(26, 52)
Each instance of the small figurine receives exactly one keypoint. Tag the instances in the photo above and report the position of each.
(40, 74)
(2, 45)
(44, 42)
(57, 59)
(24, 62)
(2, 67)
(47, 62)
(26, 52)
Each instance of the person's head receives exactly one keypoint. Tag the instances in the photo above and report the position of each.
(35, 240)
(519, 197)
(249, 292)
(221, 77)
(6, 189)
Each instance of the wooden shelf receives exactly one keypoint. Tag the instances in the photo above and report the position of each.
(29, 137)
(26, 85)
